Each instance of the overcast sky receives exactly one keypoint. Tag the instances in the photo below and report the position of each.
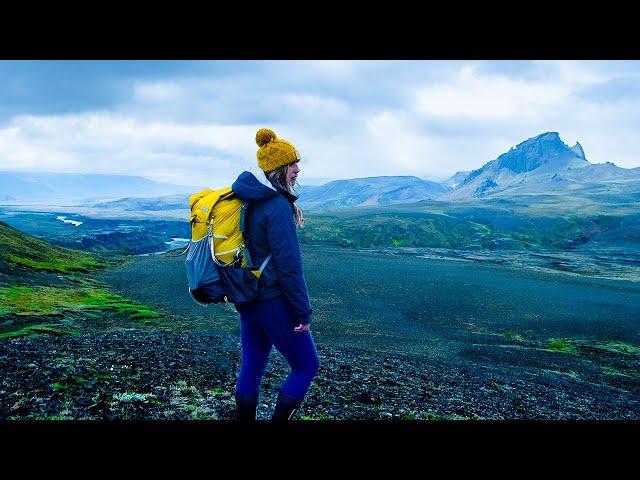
(171, 120)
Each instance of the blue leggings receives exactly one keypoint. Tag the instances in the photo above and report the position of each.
(263, 325)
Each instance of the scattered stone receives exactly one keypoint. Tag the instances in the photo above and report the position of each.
(410, 387)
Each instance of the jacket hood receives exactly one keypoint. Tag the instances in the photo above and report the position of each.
(252, 186)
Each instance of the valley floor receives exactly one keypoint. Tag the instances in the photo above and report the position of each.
(399, 338)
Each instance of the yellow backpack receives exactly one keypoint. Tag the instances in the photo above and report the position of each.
(221, 214)
(219, 266)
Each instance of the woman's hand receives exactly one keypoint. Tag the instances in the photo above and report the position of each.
(303, 327)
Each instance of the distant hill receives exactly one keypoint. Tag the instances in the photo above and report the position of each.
(370, 191)
(541, 164)
(43, 186)
(493, 223)
(168, 202)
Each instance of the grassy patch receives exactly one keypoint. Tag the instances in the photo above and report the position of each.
(319, 416)
(218, 392)
(513, 336)
(37, 330)
(58, 387)
(200, 412)
(133, 397)
(618, 347)
(56, 417)
(187, 398)
(561, 345)
(56, 265)
(80, 380)
(614, 372)
(34, 301)
(185, 390)
(631, 373)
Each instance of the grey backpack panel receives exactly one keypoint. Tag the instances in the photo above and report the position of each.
(201, 270)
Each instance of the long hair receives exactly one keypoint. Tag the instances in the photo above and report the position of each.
(279, 177)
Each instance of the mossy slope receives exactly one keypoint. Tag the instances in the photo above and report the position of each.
(24, 250)
(30, 296)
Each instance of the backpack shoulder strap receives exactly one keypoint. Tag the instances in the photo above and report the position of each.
(247, 238)
(245, 233)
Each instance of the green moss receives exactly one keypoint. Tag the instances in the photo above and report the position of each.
(618, 347)
(217, 391)
(61, 265)
(38, 329)
(319, 416)
(27, 251)
(57, 417)
(144, 314)
(561, 345)
(17, 333)
(133, 397)
(57, 387)
(35, 301)
(434, 417)
(613, 372)
(513, 336)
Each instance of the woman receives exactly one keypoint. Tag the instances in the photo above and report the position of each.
(281, 314)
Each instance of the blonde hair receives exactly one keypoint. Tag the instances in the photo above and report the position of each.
(279, 177)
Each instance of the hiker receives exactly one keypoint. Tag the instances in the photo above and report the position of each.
(281, 314)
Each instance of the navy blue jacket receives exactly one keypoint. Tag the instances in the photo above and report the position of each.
(270, 228)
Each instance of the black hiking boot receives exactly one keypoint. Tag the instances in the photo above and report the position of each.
(286, 407)
(247, 408)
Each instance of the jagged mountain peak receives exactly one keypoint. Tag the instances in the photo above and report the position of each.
(546, 148)
(539, 163)
(546, 136)
(578, 150)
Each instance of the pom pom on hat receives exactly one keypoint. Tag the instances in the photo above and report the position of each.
(264, 136)
(274, 152)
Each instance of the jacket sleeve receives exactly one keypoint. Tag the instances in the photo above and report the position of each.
(283, 241)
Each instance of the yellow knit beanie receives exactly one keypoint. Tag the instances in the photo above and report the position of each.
(274, 152)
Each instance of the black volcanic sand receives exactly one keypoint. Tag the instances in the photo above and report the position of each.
(144, 375)
(398, 337)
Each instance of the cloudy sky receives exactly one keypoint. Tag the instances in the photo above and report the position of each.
(170, 120)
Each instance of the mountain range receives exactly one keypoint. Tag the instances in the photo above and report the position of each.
(542, 165)
(370, 191)
(25, 187)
